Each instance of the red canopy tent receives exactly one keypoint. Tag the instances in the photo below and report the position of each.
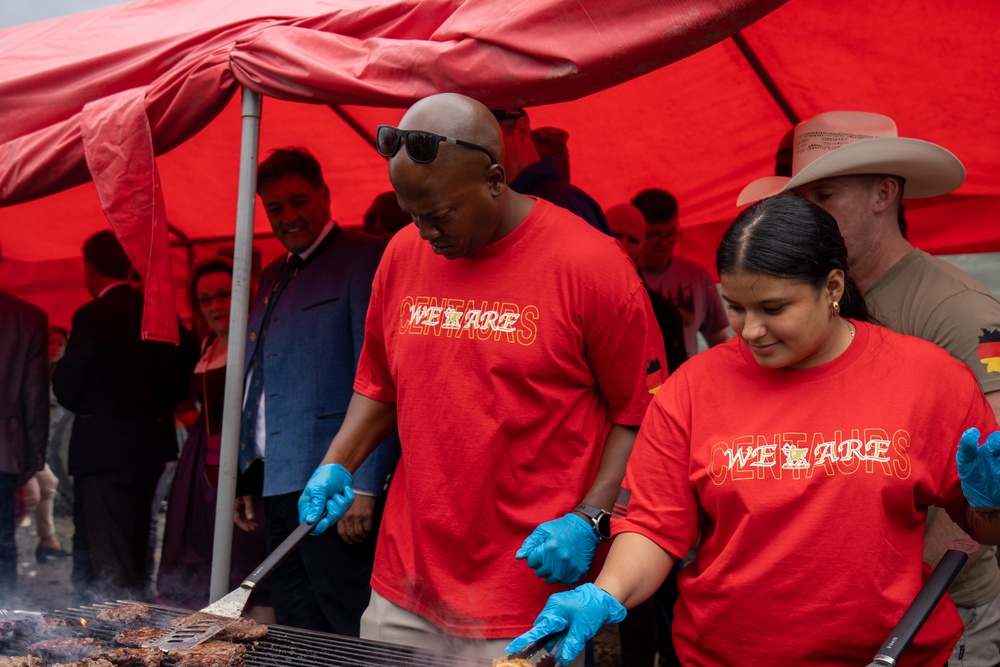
(702, 127)
(133, 81)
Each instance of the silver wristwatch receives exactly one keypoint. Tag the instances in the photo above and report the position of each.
(600, 519)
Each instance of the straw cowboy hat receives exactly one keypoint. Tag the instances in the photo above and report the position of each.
(841, 143)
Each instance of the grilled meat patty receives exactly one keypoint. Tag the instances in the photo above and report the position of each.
(68, 650)
(240, 630)
(137, 637)
(85, 662)
(21, 661)
(48, 626)
(131, 657)
(210, 654)
(129, 614)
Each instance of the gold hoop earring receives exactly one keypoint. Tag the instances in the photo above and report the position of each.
(835, 307)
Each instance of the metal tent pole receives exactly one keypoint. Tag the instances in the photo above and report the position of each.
(240, 306)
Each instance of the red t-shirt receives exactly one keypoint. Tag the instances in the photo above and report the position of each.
(508, 369)
(809, 489)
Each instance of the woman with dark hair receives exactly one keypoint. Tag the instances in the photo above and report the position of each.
(185, 563)
(801, 457)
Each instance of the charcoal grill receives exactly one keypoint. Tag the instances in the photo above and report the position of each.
(285, 646)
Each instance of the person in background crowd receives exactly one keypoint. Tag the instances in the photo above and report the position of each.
(780, 453)
(39, 499)
(644, 634)
(24, 418)
(304, 336)
(629, 227)
(529, 174)
(855, 165)
(124, 391)
(514, 439)
(186, 560)
(553, 142)
(60, 427)
(384, 217)
(684, 283)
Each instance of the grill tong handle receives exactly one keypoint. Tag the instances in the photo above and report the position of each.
(930, 594)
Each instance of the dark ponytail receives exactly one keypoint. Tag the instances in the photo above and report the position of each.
(790, 237)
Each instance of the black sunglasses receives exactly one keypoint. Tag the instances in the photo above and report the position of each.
(421, 146)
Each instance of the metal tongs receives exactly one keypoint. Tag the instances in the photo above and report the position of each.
(534, 647)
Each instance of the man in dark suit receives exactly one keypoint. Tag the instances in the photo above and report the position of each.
(124, 391)
(304, 339)
(24, 417)
(531, 174)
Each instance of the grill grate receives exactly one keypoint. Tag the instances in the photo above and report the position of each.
(288, 647)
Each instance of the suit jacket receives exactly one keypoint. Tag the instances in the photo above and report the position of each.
(311, 354)
(24, 386)
(123, 389)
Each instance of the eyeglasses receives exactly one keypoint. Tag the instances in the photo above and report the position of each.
(673, 235)
(207, 299)
(421, 146)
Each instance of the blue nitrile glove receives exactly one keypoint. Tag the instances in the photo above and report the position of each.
(581, 612)
(560, 550)
(979, 468)
(329, 486)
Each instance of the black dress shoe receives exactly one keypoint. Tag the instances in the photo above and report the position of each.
(43, 553)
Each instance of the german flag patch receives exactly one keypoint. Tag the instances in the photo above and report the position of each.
(989, 350)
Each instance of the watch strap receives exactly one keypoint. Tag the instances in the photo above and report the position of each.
(599, 518)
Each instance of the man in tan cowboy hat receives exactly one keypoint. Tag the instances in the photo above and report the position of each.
(857, 167)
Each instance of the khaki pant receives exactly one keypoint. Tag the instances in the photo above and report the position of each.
(980, 645)
(387, 622)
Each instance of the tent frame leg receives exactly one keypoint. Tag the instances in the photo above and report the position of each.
(239, 308)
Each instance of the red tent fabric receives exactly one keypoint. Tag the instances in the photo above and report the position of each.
(701, 127)
(130, 82)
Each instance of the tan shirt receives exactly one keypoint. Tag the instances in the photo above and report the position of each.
(929, 298)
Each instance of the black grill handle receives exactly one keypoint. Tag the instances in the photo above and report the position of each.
(286, 547)
(923, 604)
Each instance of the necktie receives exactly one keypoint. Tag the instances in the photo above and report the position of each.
(248, 448)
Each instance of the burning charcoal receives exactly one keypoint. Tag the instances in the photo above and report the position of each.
(209, 654)
(69, 650)
(136, 638)
(21, 661)
(130, 614)
(512, 662)
(131, 657)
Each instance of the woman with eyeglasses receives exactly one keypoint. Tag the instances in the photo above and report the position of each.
(802, 456)
(185, 563)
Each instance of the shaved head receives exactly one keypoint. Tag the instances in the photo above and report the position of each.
(459, 201)
(456, 116)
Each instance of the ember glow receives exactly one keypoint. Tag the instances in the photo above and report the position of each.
(83, 622)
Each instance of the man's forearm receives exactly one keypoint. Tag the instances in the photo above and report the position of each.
(617, 449)
(983, 524)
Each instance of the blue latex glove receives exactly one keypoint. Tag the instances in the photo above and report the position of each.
(329, 486)
(581, 612)
(560, 550)
(979, 468)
